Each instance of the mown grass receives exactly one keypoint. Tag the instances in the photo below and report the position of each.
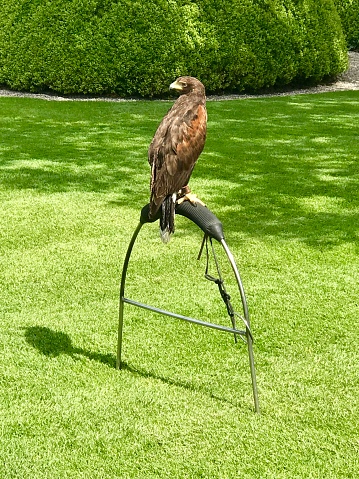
(282, 175)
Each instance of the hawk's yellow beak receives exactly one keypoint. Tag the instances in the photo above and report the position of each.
(176, 86)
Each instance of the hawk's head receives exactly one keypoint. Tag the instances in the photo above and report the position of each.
(184, 85)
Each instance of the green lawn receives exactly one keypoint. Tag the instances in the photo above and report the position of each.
(282, 174)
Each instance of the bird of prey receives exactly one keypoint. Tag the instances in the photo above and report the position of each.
(174, 151)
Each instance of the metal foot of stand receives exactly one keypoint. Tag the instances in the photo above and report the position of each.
(212, 227)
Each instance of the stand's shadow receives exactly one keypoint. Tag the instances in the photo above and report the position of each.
(54, 343)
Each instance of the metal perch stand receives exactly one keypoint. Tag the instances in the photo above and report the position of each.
(212, 228)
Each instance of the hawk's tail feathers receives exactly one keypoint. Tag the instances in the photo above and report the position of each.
(167, 220)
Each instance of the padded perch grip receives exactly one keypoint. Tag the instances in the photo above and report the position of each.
(199, 214)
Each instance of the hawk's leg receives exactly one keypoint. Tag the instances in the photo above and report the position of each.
(185, 194)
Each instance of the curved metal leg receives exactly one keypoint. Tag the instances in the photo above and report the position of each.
(247, 321)
(122, 291)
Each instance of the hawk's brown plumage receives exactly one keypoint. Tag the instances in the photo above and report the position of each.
(175, 148)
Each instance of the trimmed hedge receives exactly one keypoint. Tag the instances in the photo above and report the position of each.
(349, 14)
(137, 47)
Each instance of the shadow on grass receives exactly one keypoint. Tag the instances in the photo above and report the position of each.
(275, 167)
(54, 343)
(285, 168)
(83, 147)
(177, 383)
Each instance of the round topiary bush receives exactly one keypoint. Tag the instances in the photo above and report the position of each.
(137, 47)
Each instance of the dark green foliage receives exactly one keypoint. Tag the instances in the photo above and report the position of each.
(131, 47)
(349, 14)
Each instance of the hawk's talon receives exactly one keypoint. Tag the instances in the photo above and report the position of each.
(192, 198)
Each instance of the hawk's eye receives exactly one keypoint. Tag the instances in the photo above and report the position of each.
(184, 84)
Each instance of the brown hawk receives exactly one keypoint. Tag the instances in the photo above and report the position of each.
(174, 150)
